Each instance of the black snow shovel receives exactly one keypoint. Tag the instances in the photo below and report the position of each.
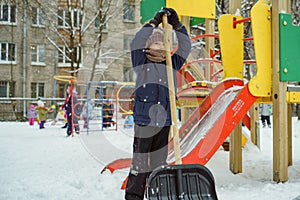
(174, 182)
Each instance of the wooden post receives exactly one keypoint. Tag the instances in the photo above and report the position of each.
(209, 45)
(235, 150)
(254, 116)
(280, 132)
(185, 112)
(174, 126)
(186, 22)
(234, 5)
(235, 144)
(290, 135)
(72, 103)
(298, 111)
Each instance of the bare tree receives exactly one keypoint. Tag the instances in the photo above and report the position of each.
(103, 17)
(74, 21)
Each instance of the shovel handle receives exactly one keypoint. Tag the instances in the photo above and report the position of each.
(174, 128)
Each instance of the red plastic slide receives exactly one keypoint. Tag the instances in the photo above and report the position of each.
(209, 125)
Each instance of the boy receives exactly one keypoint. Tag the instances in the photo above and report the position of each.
(151, 111)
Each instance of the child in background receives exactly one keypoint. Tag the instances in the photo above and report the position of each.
(69, 105)
(86, 112)
(108, 111)
(52, 112)
(31, 114)
(266, 111)
(66, 119)
(129, 121)
(42, 112)
(61, 115)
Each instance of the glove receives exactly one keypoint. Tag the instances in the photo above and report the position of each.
(157, 18)
(173, 18)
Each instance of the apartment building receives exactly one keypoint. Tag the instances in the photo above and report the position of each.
(40, 39)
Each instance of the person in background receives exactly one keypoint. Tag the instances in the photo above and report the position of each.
(265, 113)
(71, 98)
(42, 113)
(52, 112)
(66, 119)
(61, 114)
(86, 112)
(129, 121)
(151, 108)
(31, 114)
(108, 111)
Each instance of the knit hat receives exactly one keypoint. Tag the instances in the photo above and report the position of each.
(157, 35)
(40, 104)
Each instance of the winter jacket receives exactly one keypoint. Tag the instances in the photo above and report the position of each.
(108, 109)
(32, 112)
(42, 111)
(68, 104)
(87, 110)
(266, 109)
(151, 98)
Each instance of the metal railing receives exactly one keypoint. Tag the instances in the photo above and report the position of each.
(12, 109)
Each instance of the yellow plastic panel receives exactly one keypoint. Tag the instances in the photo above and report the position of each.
(194, 8)
(260, 85)
(264, 100)
(244, 140)
(232, 45)
(293, 97)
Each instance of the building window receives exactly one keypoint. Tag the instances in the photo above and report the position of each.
(64, 18)
(104, 59)
(8, 52)
(8, 14)
(64, 55)
(126, 42)
(128, 10)
(38, 54)
(98, 23)
(37, 90)
(38, 17)
(61, 90)
(4, 89)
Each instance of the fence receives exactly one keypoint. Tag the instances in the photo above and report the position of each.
(12, 109)
(119, 93)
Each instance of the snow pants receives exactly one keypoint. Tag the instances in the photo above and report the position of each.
(150, 150)
(264, 119)
(42, 124)
(107, 121)
(31, 121)
(70, 123)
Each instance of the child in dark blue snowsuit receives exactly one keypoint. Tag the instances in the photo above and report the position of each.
(69, 105)
(151, 111)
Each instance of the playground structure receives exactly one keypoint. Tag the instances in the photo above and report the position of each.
(115, 94)
(203, 131)
(119, 94)
(201, 137)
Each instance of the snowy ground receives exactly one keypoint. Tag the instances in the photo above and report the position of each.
(44, 164)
